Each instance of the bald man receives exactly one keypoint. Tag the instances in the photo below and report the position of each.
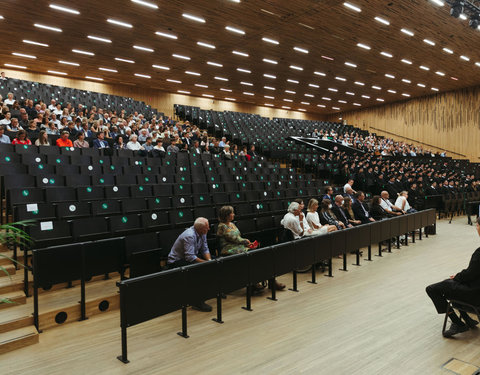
(388, 206)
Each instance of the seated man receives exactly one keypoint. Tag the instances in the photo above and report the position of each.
(293, 221)
(464, 287)
(100, 142)
(64, 141)
(189, 248)
(339, 212)
(360, 211)
(388, 206)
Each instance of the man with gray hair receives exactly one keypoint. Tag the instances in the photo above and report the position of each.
(192, 247)
(293, 221)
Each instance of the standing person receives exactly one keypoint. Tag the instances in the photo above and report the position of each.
(191, 247)
(464, 287)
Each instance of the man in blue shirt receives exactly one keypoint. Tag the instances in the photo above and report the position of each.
(192, 247)
(4, 138)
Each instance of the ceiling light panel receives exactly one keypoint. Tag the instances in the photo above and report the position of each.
(99, 39)
(235, 30)
(119, 23)
(193, 18)
(64, 9)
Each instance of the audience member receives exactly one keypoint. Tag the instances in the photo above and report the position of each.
(80, 142)
(339, 212)
(64, 141)
(21, 138)
(314, 221)
(228, 235)
(402, 202)
(359, 209)
(4, 138)
(42, 139)
(293, 221)
(347, 206)
(327, 216)
(100, 142)
(376, 210)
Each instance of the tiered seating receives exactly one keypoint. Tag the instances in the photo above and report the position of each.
(23, 89)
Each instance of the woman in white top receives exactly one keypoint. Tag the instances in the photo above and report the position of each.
(402, 203)
(314, 221)
(9, 100)
(133, 144)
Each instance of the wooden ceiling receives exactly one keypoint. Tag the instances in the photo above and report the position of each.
(326, 28)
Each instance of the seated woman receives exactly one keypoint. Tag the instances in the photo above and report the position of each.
(42, 139)
(228, 235)
(328, 217)
(133, 144)
(314, 221)
(376, 210)
(21, 138)
(119, 144)
(347, 206)
(80, 142)
(402, 203)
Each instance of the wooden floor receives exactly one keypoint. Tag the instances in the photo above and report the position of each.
(373, 319)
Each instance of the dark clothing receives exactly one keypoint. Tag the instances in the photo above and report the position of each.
(377, 212)
(340, 214)
(360, 212)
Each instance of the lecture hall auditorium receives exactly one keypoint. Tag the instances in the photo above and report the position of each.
(239, 187)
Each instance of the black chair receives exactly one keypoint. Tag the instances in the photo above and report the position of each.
(155, 220)
(70, 210)
(91, 228)
(106, 207)
(145, 263)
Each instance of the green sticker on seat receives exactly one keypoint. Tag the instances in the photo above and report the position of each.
(238, 196)
(7, 158)
(202, 198)
(40, 166)
(102, 180)
(104, 206)
(52, 181)
(25, 147)
(180, 214)
(101, 161)
(25, 193)
(58, 161)
(112, 167)
(140, 188)
(89, 189)
(181, 187)
(124, 219)
(35, 212)
(149, 168)
(147, 179)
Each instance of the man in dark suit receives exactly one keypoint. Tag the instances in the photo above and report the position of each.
(464, 287)
(337, 209)
(359, 209)
(100, 142)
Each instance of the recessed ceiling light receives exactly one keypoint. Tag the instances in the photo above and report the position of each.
(454, 78)
(193, 18)
(357, 104)
(270, 61)
(365, 96)
(447, 50)
(288, 100)
(352, 7)
(109, 70)
(438, 2)
(246, 83)
(208, 95)
(173, 80)
(64, 9)
(290, 92)
(406, 61)
(406, 80)
(272, 41)
(286, 107)
(423, 67)
(57, 72)
(35, 43)
(105, 40)
(292, 81)
(192, 73)
(420, 84)
(352, 65)
(380, 100)
(440, 73)
(336, 108)
(161, 67)
(227, 90)
(386, 54)
(244, 70)
(142, 75)
(309, 95)
(203, 86)
(207, 45)
(119, 23)
(319, 74)
(248, 93)
(359, 83)
(376, 87)
(350, 93)
(408, 32)
(340, 79)
(125, 60)
(230, 99)
(68, 63)
(364, 46)
(299, 49)
(320, 105)
(342, 101)
(434, 89)
(268, 104)
(183, 92)
(332, 89)
(146, 49)
(221, 79)
(269, 97)
(305, 103)
(326, 98)
(428, 41)
(270, 76)
(382, 20)
(392, 91)
(240, 53)
(327, 58)
(180, 56)
(81, 52)
(24, 55)
(166, 35)
(269, 88)
(390, 76)
(235, 30)
(145, 3)
(313, 85)
(15, 66)
(465, 58)
(295, 67)
(406, 95)
(302, 109)
(214, 64)
(45, 27)
(94, 78)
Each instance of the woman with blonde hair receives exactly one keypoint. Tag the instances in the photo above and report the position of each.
(314, 221)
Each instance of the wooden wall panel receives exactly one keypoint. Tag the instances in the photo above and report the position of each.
(447, 121)
(161, 100)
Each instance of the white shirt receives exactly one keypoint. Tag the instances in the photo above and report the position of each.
(5, 121)
(346, 187)
(399, 203)
(135, 146)
(386, 204)
(8, 101)
(52, 107)
(313, 220)
(291, 222)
